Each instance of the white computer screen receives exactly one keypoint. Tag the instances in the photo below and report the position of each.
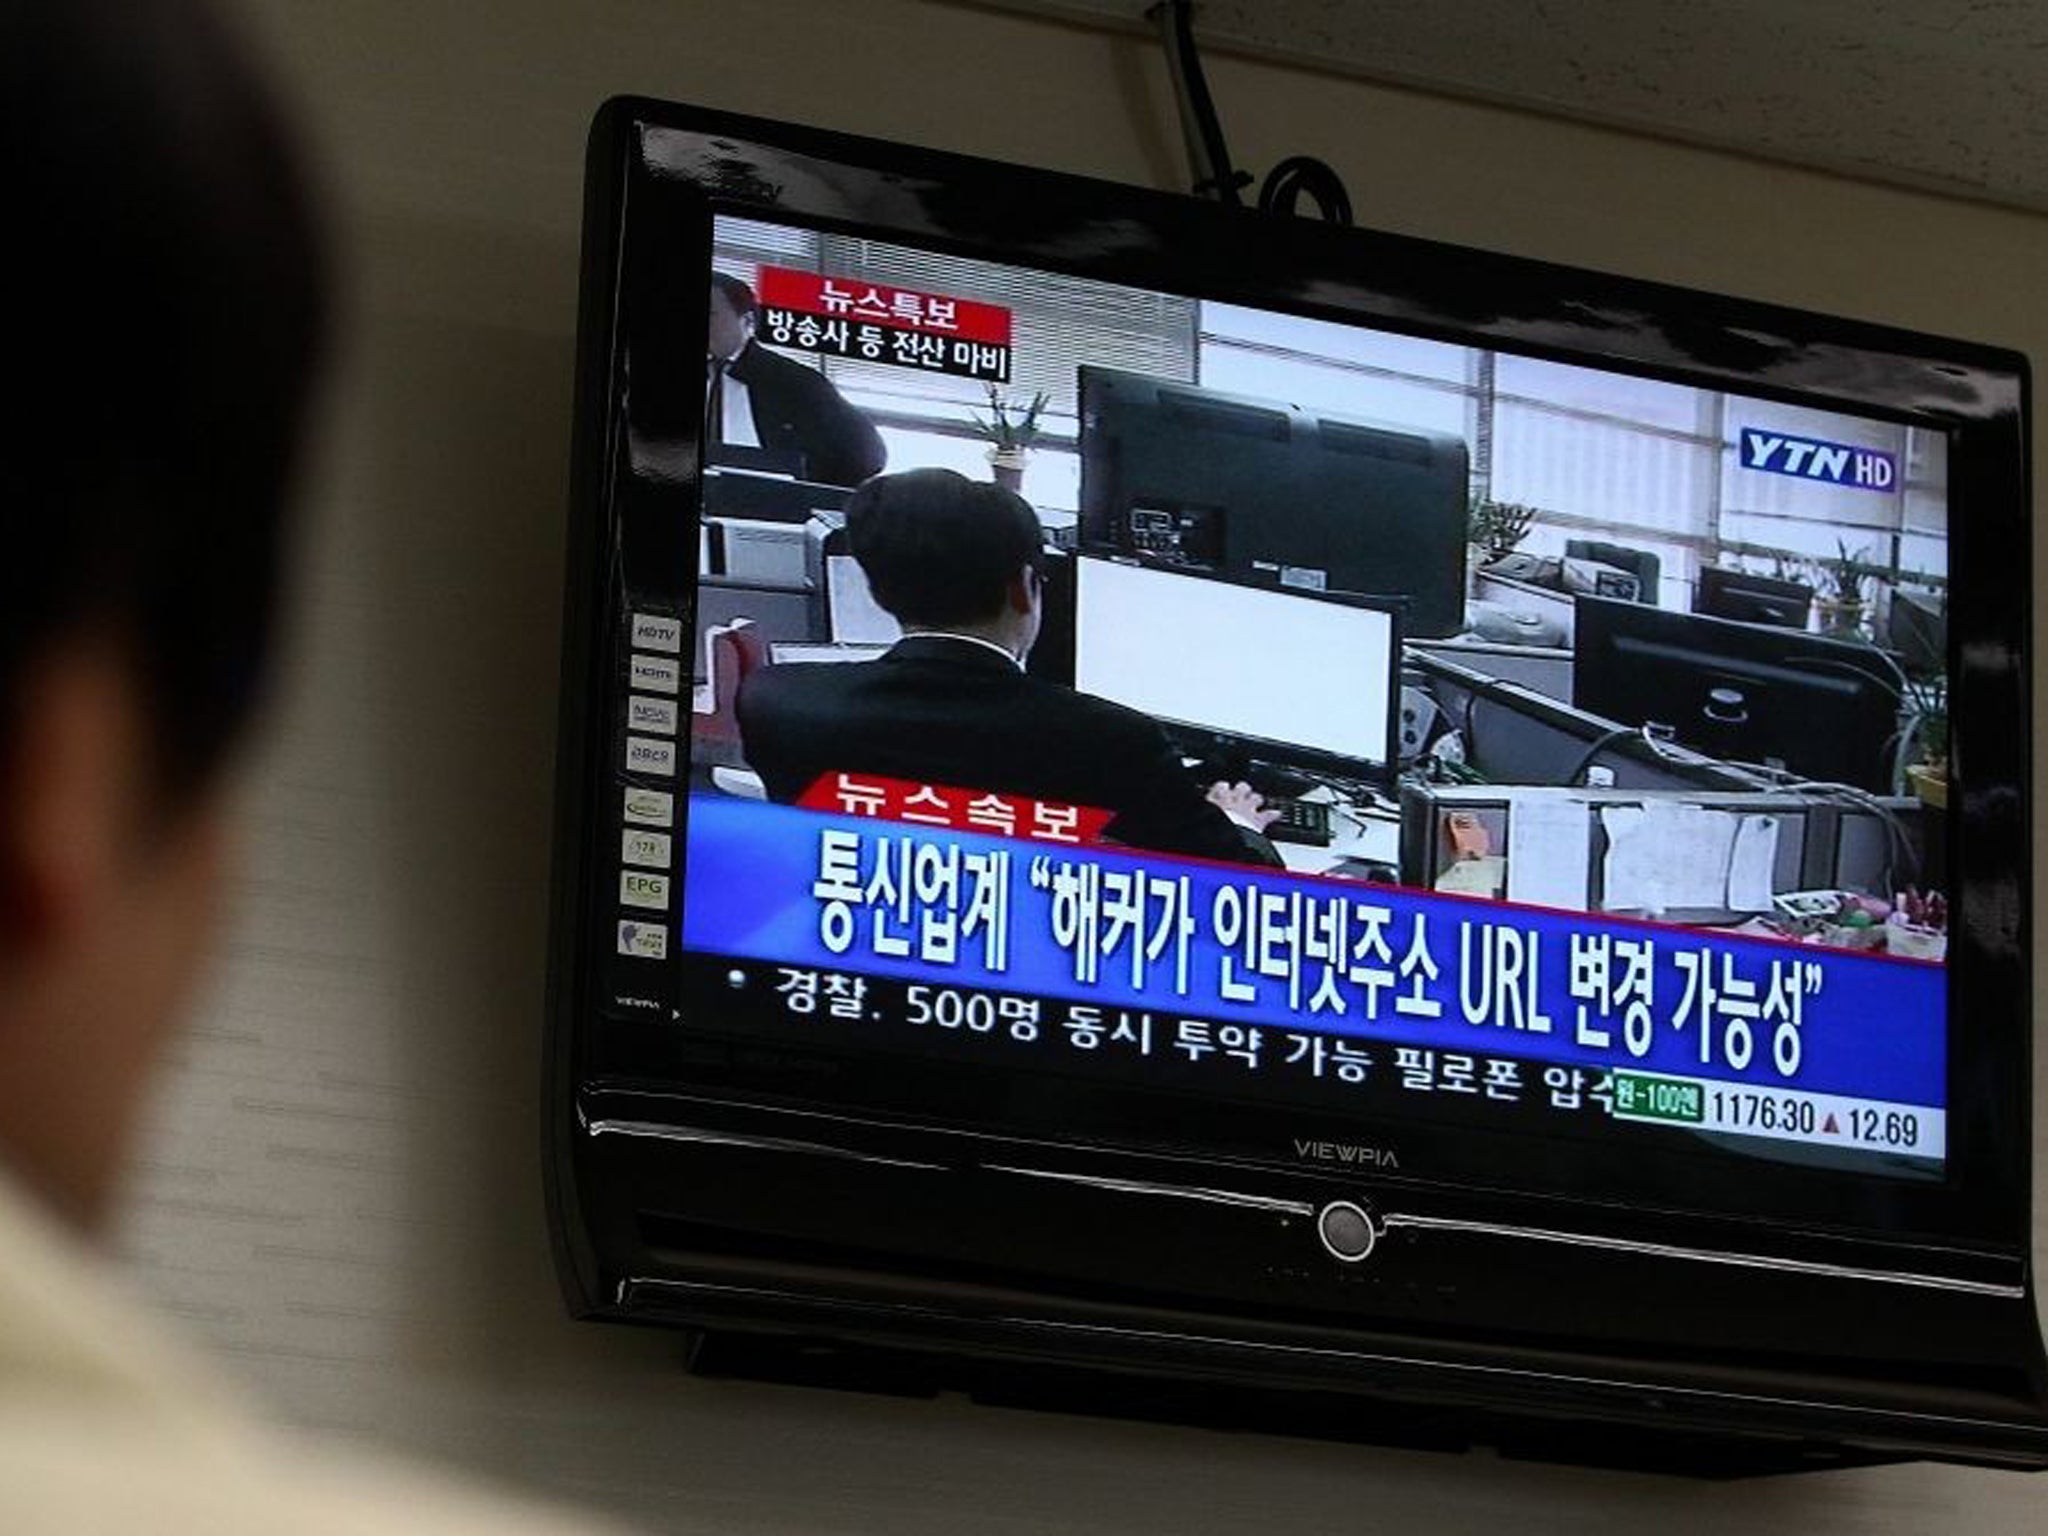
(857, 619)
(1271, 665)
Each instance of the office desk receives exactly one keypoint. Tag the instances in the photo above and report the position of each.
(1525, 597)
(1815, 842)
(1542, 669)
(1516, 735)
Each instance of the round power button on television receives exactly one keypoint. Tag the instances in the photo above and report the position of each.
(1346, 1231)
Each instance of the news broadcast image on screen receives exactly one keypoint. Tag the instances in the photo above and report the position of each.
(1110, 683)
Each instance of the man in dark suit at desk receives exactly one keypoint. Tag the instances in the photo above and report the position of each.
(958, 563)
(756, 399)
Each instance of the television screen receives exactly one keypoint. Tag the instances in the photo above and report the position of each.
(924, 850)
(1208, 795)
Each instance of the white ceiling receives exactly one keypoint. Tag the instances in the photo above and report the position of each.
(1950, 95)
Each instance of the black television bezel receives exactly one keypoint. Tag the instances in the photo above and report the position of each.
(657, 175)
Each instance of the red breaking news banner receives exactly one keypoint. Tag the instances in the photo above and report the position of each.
(842, 298)
(878, 323)
(963, 810)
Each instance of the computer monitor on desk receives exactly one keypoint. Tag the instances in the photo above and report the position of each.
(1295, 679)
(1746, 693)
(1916, 629)
(1260, 491)
(1749, 599)
(778, 462)
(857, 619)
(762, 496)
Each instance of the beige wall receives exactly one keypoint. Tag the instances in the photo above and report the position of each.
(341, 1191)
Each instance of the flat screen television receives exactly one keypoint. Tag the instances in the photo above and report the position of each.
(920, 1016)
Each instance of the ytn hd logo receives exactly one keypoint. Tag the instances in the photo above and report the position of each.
(1808, 458)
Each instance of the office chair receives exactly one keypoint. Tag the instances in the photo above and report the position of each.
(732, 652)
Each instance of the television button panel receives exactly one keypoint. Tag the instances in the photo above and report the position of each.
(653, 720)
(639, 889)
(1346, 1232)
(646, 755)
(658, 632)
(643, 941)
(650, 714)
(649, 850)
(650, 807)
(657, 674)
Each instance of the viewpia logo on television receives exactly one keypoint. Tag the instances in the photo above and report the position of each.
(1810, 458)
(1345, 1152)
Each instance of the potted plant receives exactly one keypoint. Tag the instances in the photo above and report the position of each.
(1789, 567)
(1847, 582)
(1010, 433)
(1786, 567)
(1493, 529)
(1926, 701)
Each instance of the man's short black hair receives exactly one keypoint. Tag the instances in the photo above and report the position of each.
(164, 304)
(737, 293)
(939, 548)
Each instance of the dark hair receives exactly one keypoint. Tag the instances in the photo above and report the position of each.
(164, 307)
(737, 293)
(939, 548)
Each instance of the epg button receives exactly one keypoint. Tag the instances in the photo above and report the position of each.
(1346, 1231)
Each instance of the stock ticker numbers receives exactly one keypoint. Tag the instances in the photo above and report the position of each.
(1008, 1026)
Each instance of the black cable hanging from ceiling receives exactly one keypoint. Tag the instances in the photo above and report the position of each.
(1294, 178)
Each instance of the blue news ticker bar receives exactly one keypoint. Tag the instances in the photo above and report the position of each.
(1868, 1026)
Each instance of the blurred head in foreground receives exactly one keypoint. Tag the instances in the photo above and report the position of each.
(164, 308)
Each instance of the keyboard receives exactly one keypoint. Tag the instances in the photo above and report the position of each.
(1299, 821)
